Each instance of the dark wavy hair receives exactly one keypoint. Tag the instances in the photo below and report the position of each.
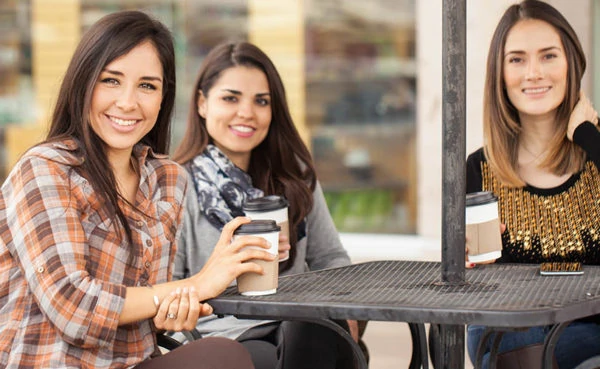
(281, 164)
(111, 37)
(501, 124)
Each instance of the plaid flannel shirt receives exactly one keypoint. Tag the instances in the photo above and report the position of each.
(63, 268)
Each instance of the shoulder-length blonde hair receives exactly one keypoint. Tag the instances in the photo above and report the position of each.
(501, 124)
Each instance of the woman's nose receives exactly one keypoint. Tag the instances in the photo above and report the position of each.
(245, 110)
(126, 100)
(534, 70)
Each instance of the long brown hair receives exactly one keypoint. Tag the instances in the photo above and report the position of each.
(501, 124)
(281, 164)
(112, 36)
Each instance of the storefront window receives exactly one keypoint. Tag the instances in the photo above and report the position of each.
(596, 52)
(358, 89)
(16, 91)
(360, 98)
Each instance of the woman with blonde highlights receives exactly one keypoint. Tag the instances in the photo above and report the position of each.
(541, 158)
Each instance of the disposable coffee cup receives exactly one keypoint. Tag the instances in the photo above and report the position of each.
(253, 284)
(483, 227)
(270, 207)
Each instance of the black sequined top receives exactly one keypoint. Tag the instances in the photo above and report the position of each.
(550, 224)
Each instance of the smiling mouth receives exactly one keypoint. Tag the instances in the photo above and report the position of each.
(123, 122)
(537, 90)
(242, 129)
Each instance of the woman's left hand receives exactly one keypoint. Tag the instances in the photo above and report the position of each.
(284, 247)
(353, 327)
(180, 310)
(583, 111)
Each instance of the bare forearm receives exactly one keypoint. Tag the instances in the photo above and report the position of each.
(140, 304)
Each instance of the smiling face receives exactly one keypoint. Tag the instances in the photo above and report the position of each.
(126, 99)
(535, 69)
(237, 111)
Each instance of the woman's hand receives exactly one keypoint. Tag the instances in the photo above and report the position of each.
(230, 259)
(284, 247)
(180, 310)
(583, 111)
(470, 264)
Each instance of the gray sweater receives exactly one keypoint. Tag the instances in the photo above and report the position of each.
(320, 249)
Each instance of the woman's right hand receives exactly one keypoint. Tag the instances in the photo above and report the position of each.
(180, 310)
(470, 264)
(229, 259)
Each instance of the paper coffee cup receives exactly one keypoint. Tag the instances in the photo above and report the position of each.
(252, 284)
(482, 227)
(270, 207)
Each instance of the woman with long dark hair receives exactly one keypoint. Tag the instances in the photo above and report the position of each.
(89, 220)
(240, 144)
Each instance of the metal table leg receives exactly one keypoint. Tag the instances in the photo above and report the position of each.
(550, 344)
(481, 347)
(494, 349)
(419, 357)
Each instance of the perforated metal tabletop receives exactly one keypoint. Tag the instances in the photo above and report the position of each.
(410, 291)
(496, 295)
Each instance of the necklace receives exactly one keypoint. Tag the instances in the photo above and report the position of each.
(533, 155)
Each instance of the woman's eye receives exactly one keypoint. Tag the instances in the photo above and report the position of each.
(550, 56)
(230, 98)
(148, 86)
(515, 60)
(262, 102)
(110, 81)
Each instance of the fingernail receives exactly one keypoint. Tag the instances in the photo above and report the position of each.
(185, 290)
(471, 264)
(178, 290)
(192, 289)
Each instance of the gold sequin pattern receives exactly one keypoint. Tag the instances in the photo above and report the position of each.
(554, 227)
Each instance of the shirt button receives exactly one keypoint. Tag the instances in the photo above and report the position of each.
(147, 264)
(41, 269)
(139, 224)
(148, 243)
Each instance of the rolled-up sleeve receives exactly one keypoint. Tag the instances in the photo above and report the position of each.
(44, 211)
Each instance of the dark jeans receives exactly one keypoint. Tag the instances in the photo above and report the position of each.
(205, 353)
(578, 342)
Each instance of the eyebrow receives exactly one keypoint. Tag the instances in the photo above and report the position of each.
(144, 78)
(236, 92)
(542, 50)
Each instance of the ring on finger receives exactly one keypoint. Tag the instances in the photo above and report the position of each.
(171, 316)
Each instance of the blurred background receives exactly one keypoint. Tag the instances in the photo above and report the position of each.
(363, 80)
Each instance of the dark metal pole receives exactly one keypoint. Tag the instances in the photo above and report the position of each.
(454, 61)
(453, 143)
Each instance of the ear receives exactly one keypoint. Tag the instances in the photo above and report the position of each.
(201, 104)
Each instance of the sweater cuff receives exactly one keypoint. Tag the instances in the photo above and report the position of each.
(585, 134)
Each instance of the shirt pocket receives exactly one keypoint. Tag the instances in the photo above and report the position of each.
(167, 212)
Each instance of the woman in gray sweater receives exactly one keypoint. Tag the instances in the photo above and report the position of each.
(241, 143)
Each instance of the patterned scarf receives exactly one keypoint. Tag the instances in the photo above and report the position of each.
(221, 186)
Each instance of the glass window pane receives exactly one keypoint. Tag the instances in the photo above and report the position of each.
(360, 98)
(16, 91)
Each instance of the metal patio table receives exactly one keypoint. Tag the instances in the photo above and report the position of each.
(504, 296)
